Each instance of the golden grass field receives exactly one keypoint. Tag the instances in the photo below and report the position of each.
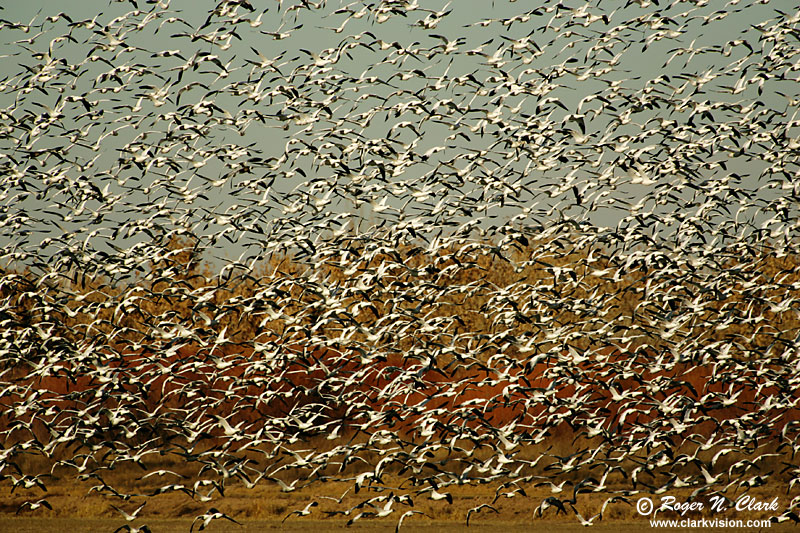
(78, 508)
(264, 507)
(45, 525)
(123, 331)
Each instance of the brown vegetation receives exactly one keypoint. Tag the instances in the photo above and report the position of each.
(180, 347)
(208, 334)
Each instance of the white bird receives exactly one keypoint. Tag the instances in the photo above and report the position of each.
(132, 516)
(207, 518)
(301, 512)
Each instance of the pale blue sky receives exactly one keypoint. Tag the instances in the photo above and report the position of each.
(210, 202)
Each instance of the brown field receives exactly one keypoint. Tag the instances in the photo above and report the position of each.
(175, 384)
(44, 525)
(264, 507)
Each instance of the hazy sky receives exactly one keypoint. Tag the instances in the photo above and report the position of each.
(205, 193)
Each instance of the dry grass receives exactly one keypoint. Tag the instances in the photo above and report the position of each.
(476, 292)
(266, 502)
(496, 307)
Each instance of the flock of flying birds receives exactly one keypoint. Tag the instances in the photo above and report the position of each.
(398, 142)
